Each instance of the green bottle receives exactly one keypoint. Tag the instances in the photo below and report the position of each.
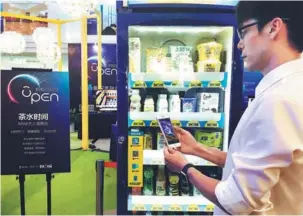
(148, 185)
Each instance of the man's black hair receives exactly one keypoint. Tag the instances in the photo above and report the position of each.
(265, 11)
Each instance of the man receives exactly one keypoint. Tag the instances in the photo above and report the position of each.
(263, 170)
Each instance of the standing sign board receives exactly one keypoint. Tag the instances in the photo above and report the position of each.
(34, 122)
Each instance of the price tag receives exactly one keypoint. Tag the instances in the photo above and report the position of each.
(158, 84)
(139, 207)
(214, 84)
(157, 208)
(195, 83)
(154, 123)
(157, 161)
(193, 124)
(139, 84)
(176, 123)
(175, 208)
(210, 208)
(193, 208)
(176, 83)
(211, 124)
(138, 123)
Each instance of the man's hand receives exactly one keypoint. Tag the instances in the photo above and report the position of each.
(174, 160)
(189, 145)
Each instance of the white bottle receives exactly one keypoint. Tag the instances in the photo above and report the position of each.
(162, 104)
(174, 103)
(149, 104)
(135, 104)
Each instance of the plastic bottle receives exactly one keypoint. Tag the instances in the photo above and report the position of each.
(184, 185)
(174, 103)
(135, 105)
(148, 183)
(149, 104)
(148, 140)
(161, 182)
(162, 104)
(173, 184)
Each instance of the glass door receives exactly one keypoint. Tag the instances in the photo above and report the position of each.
(182, 72)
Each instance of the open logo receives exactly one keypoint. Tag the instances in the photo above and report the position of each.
(31, 89)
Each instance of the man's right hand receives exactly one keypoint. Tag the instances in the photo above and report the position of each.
(189, 145)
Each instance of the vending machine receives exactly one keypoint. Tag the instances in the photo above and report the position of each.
(180, 61)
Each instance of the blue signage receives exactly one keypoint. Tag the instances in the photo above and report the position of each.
(34, 122)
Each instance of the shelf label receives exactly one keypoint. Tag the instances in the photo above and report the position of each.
(154, 123)
(158, 84)
(157, 161)
(214, 84)
(193, 124)
(157, 208)
(210, 208)
(135, 159)
(139, 207)
(139, 84)
(176, 83)
(211, 124)
(176, 123)
(193, 208)
(138, 123)
(175, 208)
(195, 83)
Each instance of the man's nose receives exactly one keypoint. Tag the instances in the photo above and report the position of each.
(240, 45)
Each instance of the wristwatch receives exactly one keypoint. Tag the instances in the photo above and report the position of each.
(185, 168)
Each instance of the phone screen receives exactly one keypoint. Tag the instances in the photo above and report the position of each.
(168, 130)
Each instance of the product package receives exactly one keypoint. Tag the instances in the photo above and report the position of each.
(134, 55)
(208, 102)
(209, 138)
(160, 141)
(211, 50)
(189, 104)
(209, 66)
(156, 60)
(181, 58)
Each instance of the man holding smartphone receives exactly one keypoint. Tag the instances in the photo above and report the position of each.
(263, 170)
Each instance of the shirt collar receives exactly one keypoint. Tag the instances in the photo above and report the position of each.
(279, 73)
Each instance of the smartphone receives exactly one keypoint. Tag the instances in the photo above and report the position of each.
(168, 131)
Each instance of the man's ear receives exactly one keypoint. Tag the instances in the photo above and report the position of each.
(275, 27)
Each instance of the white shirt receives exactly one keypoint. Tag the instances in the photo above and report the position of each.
(263, 173)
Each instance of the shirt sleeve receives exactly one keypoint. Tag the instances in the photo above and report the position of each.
(268, 143)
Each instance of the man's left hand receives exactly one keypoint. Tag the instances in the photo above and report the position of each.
(174, 160)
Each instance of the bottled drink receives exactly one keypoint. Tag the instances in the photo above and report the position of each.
(148, 140)
(161, 181)
(135, 105)
(149, 104)
(184, 185)
(174, 103)
(173, 184)
(162, 104)
(148, 183)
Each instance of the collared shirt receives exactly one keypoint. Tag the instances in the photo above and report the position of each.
(263, 173)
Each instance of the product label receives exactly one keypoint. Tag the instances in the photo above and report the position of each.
(214, 84)
(208, 102)
(138, 123)
(135, 158)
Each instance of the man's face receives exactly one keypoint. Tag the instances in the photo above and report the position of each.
(255, 46)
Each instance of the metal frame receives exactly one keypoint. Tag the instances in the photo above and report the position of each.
(84, 57)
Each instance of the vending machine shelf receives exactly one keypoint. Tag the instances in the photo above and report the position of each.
(156, 157)
(195, 119)
(173, 80)
(169, 203)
